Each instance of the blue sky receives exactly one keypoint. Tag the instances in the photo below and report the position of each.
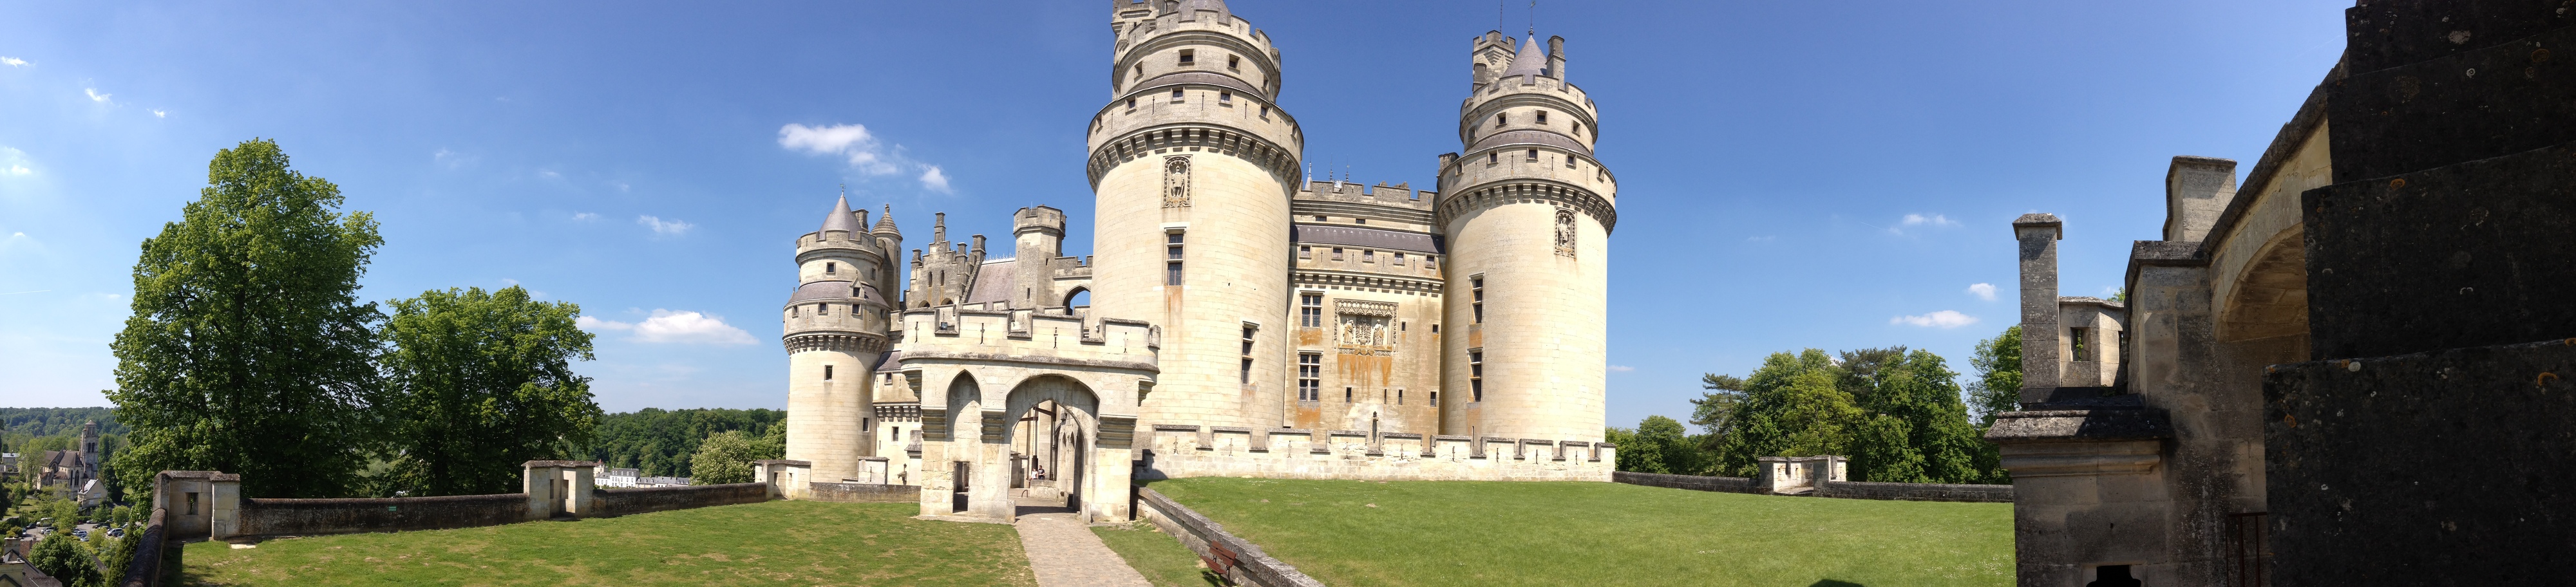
(1793, 174)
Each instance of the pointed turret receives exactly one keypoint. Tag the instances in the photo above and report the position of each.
(841, 219)
(885, 224)
(1529, 61)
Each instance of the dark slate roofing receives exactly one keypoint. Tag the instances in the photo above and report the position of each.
(890, 361)
(1318, 234)
(835, 291)
(1533, 137)
(993, 281)
(841, 219)
(885, 224)
(1527, 62)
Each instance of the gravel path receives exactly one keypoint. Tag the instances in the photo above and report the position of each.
(1065, 553)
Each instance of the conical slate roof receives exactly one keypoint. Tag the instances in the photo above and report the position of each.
(1528, 61)
(841, 218)
(885, 224)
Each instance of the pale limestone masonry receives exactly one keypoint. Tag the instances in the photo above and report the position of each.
(1238, 317)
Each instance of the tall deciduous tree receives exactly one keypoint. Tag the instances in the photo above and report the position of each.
(1715, 406)
(1791, 408)
(1916, 429)
(726, 457)
(1998, 385)
(480, 382)
(248, 350)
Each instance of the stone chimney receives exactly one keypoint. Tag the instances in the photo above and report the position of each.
(2197, 189)
(2038, 234)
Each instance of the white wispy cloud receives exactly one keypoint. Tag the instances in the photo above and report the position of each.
(1920, 220)
(935, 180)
(584, 216)
(1622, 368)
(862, 150)
(94, 96)
(159, 113)
(13, 62)
(1941, 319)
(670, 326)
(13, 162)
(1983, 291)
(664, 227)
(451, 159)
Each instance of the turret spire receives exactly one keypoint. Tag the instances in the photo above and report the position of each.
(841, 218)
(885, 224)
(1529, 61)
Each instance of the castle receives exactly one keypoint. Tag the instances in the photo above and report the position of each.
(1236, 318)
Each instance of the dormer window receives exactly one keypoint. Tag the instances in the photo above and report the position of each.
(1188, 56)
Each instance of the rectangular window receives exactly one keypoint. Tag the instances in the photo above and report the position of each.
(1476, 284)
(1430, 262)
(827, 372)
(1225, 98)
(1323, 218)
(1476, 375)
(1247, 371)
(1248, 331)
(1578, 129)
(1572, 163)
(1337, 253)
(1492, 158)
(1498, 120)
(1305, 252)
(1435, 399)
(791, 310)
(1542, 117)
(1310, 376)
(1172, 258)
(1435, 329)
(822, 309)
(1368, 255)
(1131, 103)
(1346, 395)
(832, 268)
(1188, 56)
(1399, 259)
(1399, 397)
(1265, 112)
(2077, 337)
(1234, 62)
(1533, 154)
(1176, 95)
(1310, 310)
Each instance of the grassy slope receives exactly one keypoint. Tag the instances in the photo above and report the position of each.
(1502, 533)
(1158, 556)
(779, 542)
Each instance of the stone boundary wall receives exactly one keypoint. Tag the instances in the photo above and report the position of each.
(1690, 482)
(1243, 563)
(1174, 451)
(864, 493)
(1916, 491)
(1841, 489)
(156, 557)
(294, 517)
(623, 502)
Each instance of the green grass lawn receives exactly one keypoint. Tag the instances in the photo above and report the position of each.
(1440, 533)
(1158, 556)
(773, 543)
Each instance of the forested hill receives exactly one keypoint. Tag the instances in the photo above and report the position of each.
(52, 421)
(660, 441)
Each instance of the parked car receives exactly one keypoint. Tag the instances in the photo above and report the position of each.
(116, 532)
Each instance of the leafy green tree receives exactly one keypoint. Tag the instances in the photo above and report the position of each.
(61, 556)
(1713, 407)
(726, 457)
(1918, 429)
(1634, 456)
(1791, 407)
(479, 382)
(1998, 385)
(1858, 372)
(248, 351)
(115, 555)
(660, 442)
(1673, 444)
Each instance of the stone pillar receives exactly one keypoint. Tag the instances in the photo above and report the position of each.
(2197, 189)
(2038, 234)
(224, 505)
(787, 479)
(575, 492)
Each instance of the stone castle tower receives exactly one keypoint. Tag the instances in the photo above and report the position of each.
(1192, 165)
(835, 333)
(1527, 212)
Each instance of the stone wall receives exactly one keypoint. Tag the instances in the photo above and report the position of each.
(1242, 562)
(1289, 453)
(620, 502)
(863, 493)
(1841, 489)
(292, 517)
(156, 556)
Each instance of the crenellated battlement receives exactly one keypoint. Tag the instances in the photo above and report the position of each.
(1028, 335)
(1298, 453)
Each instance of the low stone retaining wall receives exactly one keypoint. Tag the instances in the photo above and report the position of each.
(1690, 482)
(1916, 491)
(624, 502)
(155, 558)
(1241, 562)
(864, 493)
(1841, 489)
(1174, 451)
(293, 517)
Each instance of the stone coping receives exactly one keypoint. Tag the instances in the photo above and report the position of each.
(1251, 565)
(1404, 435)
(794, 463)
(1349, 433)
(2081, 425)
(561, 464)
(1231, 429)
(1449, 437)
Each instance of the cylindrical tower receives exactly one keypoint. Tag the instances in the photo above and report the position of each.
(835, 330)
(1527, 212)
(1193, 164)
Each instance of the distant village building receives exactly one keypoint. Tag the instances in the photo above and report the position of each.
(73, 474)
(1239, 317)
(618, 477)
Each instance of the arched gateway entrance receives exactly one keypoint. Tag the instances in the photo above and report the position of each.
(996, 444)
(1053, 419)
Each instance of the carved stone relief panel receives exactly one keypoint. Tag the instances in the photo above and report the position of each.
(1176, 181)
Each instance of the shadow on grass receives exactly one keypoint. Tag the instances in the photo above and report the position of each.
(1834, 583)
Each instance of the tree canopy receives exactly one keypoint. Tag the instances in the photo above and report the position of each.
(726, 457)
(1998, 385)
(480, 382)
(248, 350)
(1897, 413)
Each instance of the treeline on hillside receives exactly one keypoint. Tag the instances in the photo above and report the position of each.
(1899, 415)
(662, 442)
(52, 421)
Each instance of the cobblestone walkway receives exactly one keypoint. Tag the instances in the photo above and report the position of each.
(1065, 553)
